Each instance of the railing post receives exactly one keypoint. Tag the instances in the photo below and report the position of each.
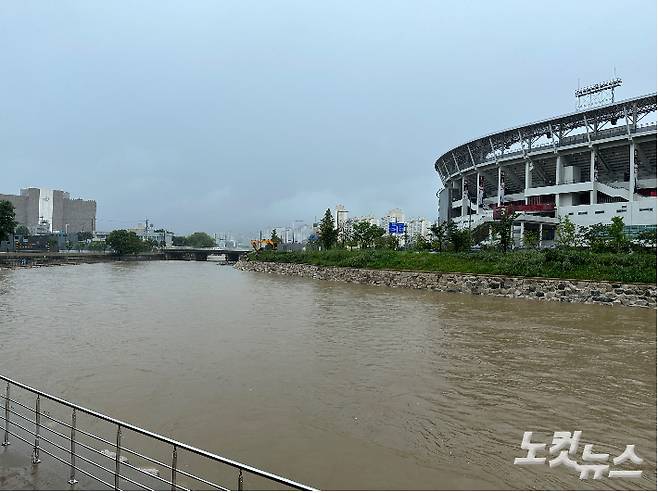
(37, 420)
(5, 442)
(240, 481)
(72, 479)
(174, 460)
(117, 459)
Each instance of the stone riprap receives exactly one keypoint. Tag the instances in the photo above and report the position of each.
(563, 290)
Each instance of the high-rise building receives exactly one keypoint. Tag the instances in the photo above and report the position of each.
(44, 210)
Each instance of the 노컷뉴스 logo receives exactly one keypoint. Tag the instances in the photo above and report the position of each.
(565, 445)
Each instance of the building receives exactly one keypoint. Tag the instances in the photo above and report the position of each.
(147, 231)
(419, 226)
(45, 211)
(590, 166)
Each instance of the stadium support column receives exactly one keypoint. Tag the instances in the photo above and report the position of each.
(528, 178)
(592, 175)
(631, 172)
(464, 210)
(498, 191)
(477, 193)
(521, 242)
(559, 165)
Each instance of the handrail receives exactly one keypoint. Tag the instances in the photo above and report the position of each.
(177, 445)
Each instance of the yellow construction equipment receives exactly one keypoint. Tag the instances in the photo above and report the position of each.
(263, 244)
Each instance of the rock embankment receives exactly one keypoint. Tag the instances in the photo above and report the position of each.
(563, 290)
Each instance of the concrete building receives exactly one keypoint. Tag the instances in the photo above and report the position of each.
(45, 211)
(393, 216)
(590, 166)
(147, 231)
(419, 226)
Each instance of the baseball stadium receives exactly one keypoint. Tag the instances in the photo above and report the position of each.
(591, 165)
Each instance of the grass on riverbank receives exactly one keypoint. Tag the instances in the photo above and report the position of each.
(563, 264)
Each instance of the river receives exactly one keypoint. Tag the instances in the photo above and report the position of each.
(337, 385)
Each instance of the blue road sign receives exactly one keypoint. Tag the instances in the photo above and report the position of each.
(396, 228)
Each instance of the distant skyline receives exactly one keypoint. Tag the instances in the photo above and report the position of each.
(240, 115)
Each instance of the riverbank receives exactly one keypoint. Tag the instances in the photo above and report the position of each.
(548, 289)
(14, 260)
(550, 263)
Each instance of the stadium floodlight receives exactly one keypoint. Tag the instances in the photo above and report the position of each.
(600, 93)
(602, 86)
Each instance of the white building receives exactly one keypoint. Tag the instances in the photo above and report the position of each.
(147, 231)
(419, 226)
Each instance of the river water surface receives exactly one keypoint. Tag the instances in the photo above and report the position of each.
(337, 385)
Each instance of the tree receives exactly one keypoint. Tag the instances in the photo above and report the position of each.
(22, 230)
(364, 234)
(328, 234)
(619, 242)
(274, 238)
(647, 239)
(97, 246)
(53, 245)
(7, 219)
(461, 240)
(595, 237)
(530, 239)
(178, 241)
(150, 244)
(503, 229)
(420, 243)
(439, 235)
(84, 236)
(387, 242)
(124, 242)
(200, 240)
(566, 233)
(451, 229)
(581, 232)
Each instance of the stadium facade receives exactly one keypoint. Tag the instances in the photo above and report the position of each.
(590, 165)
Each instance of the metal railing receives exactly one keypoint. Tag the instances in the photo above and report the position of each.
(40, 427)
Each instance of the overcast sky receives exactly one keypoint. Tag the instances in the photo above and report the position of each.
(242, 115)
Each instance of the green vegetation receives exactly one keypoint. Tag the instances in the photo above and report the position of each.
(85, 236)
(275, 240)
(328, 235)
(7, 219)
(196, 240)
(502, 229)
(200, 240)
(52, 245)
(555, 263)
(125, 242)
(599, 252)
(531, 239)
(22, 230)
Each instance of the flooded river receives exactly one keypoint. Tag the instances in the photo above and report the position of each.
(337, 385)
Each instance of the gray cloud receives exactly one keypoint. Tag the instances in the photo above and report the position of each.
(244, 115)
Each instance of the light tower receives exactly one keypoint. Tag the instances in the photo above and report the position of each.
(597, 94)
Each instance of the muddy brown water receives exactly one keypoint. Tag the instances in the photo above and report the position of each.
(335, 385)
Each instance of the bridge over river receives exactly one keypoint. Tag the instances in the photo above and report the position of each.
(191, 253)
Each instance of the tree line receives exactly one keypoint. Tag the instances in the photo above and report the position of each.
(445, 236)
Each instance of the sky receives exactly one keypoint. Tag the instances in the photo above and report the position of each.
(245, 115)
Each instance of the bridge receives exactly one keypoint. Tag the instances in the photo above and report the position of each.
(201, 254)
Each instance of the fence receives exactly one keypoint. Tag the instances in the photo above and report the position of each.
(70, 443)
